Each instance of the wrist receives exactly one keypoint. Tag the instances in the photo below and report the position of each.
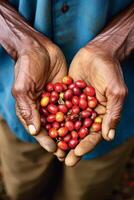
(117, 39)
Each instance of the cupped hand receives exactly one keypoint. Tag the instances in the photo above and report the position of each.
(39, 62)
(102, 70)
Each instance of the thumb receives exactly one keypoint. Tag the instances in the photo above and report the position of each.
(114, 106)
(27, 111)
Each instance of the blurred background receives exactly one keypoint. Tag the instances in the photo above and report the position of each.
(122, 191)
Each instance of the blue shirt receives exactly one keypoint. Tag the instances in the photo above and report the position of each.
(70, 27)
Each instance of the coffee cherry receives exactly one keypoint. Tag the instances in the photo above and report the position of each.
(44, 101)
(76, 91)
(85, 114)
(71, 86)
(81, 84)
(67, 80)
(55, 94)
(68, 94)
(77, 125)
(53, 133)
(83, 96)
(59, 116)
(67, 111)
(58, 87)
(90, 91)
(64, 87)
(48, 126)
(53, 99)
(92, 103)
(44, 112)
(45, 94)
(63, 108)
(67, 138)
(93, 114)
(50, 87)
(62, 131)
(68, 104)
(83, 132)
(83, 104)
(52, 108)
(56, 125)
(62, 145)
(69, 125)
(75, 109)
(74, 134)
(73, 143)
(51, 118)
(87, 122)
(43, 121)
(98, 120)
(96, 126)
(75, 100)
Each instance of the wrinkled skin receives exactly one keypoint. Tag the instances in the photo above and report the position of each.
(37, 64)
(104, 73)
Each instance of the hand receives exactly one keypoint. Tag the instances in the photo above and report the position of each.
(102, 70)
(40, 61)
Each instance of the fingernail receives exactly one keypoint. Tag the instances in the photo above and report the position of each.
(111, 134)
(32, 129)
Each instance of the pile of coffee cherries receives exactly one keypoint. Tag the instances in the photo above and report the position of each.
(67, 112)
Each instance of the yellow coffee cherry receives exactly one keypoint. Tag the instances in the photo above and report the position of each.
(44, 101)
(98, 120)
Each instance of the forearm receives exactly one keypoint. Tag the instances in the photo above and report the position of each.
(15, 33)
(118, 37)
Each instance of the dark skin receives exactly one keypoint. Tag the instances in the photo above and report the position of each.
(38, 61)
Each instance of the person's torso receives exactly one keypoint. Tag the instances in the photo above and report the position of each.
(70, 24)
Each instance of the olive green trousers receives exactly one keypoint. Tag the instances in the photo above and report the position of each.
(30, 173)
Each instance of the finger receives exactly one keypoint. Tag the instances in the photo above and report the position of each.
(29, 112)
(44, 140)
(87, 144)
(61, 159)
(114, 106)
(100, 109)
(60, 153)
(71, 159)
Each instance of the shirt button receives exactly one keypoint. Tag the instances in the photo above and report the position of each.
(65, 8)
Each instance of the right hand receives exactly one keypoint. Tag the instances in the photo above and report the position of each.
(38, 62)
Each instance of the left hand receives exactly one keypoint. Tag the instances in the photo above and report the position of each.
(102, 70)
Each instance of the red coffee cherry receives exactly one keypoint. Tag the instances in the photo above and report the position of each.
(52, 108)
(62, 131)
(83, 104)
(62, 145)
(69, 125)
(53, 133)
(67, 80)
(73, 143)
(49, 87)
(81, 84)
(83, 132)
(63, 108)
(96, 126)
(51, 118)
(90, 91)
(58, 87)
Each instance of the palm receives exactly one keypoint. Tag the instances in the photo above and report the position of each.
(33, 69)
(104, 74)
